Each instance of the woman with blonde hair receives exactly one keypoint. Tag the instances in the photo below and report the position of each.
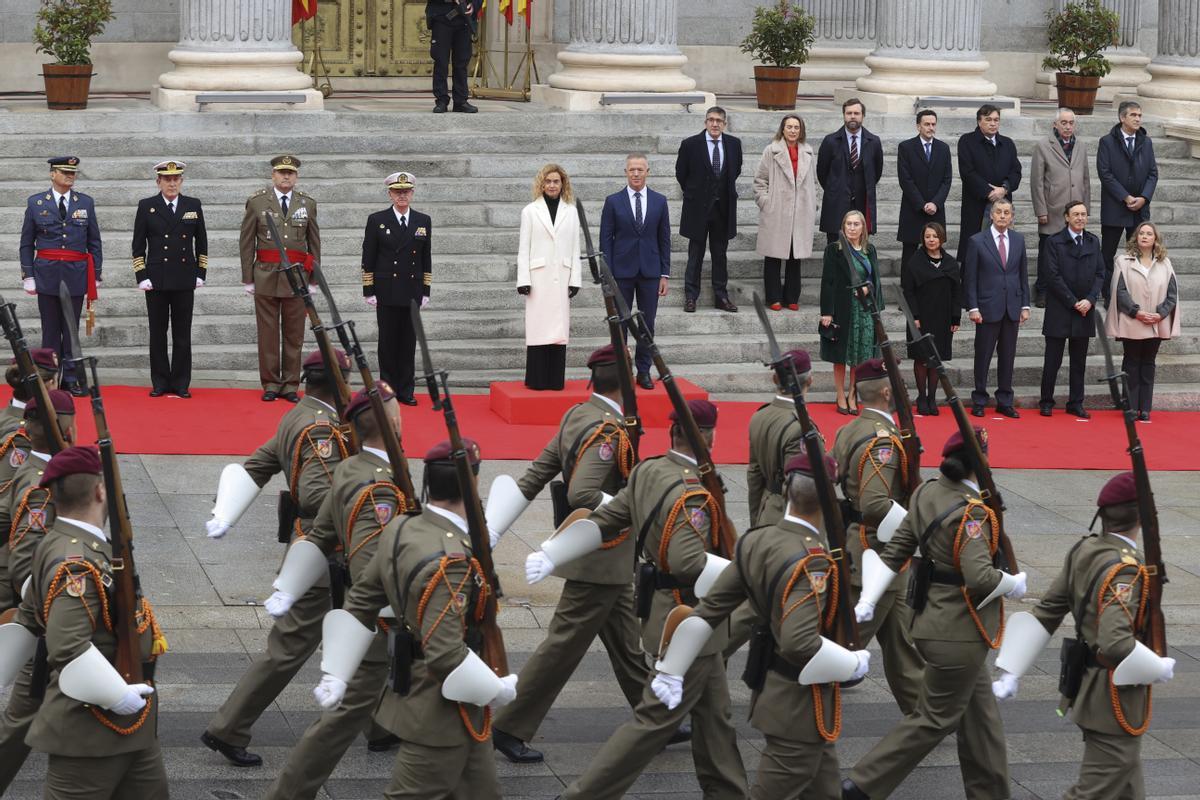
(786, 194)
(548, 275)
(1146, 295)
(847, 330)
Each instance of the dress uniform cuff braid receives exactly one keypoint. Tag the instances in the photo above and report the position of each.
(139, 264)
(203, 261)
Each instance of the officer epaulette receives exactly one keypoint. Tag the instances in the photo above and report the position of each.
(300, 193)
(764, 405)
(260, 191)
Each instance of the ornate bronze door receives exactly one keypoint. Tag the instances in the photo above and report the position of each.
(368, 38)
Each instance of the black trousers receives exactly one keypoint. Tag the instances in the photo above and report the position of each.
(1111, 238)
(450, 48)
(1139, 365)
(1052, 362)
(397, 348)
(991, 337)
(55, 333)
(791, 279)
(716, 232)
(170, 308)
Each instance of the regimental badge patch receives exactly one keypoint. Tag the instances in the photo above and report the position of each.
(384, 513)
(37, 519)
(460, 602)
(17, 457)
(883, 454)
(974, 528)
(324, 448)
(76, 585)
(819, 581)
(605, 451)
(1123, 592)
(699, 517)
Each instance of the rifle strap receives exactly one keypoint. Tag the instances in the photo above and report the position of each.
(644, 531)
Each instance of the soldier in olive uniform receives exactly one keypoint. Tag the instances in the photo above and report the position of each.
(13, 415)
(278, 312)
(1102, 584)
(170, 262)
(306, 448)
(665, 498)
(871, 459)
(775, 437)
(361, 502)
(778, 569)
(423, 569)
(593, 452)
(959, 625)
(98, 746)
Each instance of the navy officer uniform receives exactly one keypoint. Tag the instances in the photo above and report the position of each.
(60, 242)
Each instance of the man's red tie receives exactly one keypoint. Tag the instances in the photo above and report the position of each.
(1003, 252)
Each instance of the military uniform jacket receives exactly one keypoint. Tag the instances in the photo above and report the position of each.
(397, 269)
(1103, 575)
(26, 513)
(43, 230)
(72, 575)
(423, 568)
(592, 451)
(11, 418)
(775, 437)
(300, 232)
(968, 531)
(14, 450)
(170, 250)
(665, 495)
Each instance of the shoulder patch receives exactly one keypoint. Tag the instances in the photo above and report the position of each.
(974, 528)
(1123, 592)
(605, 451)
(819, 581)
(37, 519)
(699, 517)
(17, 457)
(76, 585)
(324, 448)
(384, 512)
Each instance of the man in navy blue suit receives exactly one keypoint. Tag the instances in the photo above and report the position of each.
(996, 291)
(635, 237)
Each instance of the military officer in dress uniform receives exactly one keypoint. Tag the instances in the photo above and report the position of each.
(666, 500)
(958, 625)
(1102, 584)
(277, 311)
(101, 737)
(775, 437)
(60, 242)
(397, 270)
(306, 448)
(170, 262)
(870, 456)
(795, 669)
(439, 694)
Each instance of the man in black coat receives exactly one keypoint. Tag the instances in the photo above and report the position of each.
(707, 169)
(451, 23)
(1074, 271)
(925, 173)
(397, 269)
(849, 165)
(170, 262)
(989, 170)
(1128, 176)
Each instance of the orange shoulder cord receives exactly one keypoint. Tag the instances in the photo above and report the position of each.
(830, 614)
(714, 514)
(368, 493)
(604, 434)
(300, 462)
(993, 544)
(1136, 622)
(868, 457)
(22, 507)
(440, 577)
(4, 447)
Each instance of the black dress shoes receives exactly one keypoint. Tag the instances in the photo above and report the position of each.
(1079, 411)
(269, 396)
(407, 401)
(184, 393)
(440, 108)
(292, 397)
(466, 108)
(922, 405)
(682, 734)
(1143, 416)
(77, 390)
(514, 749)
(1046, 411)
(977, 411)
(1007, 411)
(645, 381)
(157, 392)
(689, 305)
(383, 744)
(725, 304)
(238, 756)
(850, 791)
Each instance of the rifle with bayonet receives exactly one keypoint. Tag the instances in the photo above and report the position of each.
(629, 405)
(30, 376)
(1153, 631)
(127, 586)
(726, 535)
(845, 632)
(924, 344)
(493, 638)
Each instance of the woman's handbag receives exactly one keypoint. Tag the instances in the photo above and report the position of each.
(829, 332)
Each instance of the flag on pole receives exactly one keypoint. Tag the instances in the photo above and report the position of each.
(303, 9)
(525, 8)
(505, 8)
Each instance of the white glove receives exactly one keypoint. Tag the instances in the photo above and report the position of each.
(494, 537)
(145, 285)
(132, 702)
(279, 604)
(1168, 672)
(1005, 687)
(1018, 591)
(372, 301)
(199, 282)
(313, 289)
(864, 612)
(424, 302)
(864, 664)
(508, 692)
(216, 528)
(667, 688)
(537, 567)
(248, 288)
(329, 692)
(29, 286)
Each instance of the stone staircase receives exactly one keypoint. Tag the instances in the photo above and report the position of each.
(473, 177)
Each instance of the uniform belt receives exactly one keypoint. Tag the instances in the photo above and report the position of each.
(946, 577)
(54, 254)
(294, 256)
(781, 666)
(852, 514)
(665, 580)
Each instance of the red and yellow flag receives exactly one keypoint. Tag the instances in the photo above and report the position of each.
(303, 9)
(507, 10)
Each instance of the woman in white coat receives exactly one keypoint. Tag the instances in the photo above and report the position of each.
(785, 190)
(548, 275)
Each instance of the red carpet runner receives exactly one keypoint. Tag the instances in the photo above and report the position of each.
(235, 421)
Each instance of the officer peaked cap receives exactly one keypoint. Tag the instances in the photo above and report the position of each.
(173, 167)
(1119, 489)
(286, 163)
(362, 400)
(64, 163)
(703, 411)
(442, 452)
(60, 401)
(400, 180)
(72, 461)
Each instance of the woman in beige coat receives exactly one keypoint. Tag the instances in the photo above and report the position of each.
(1146, 296)
(548, 275)
(785, 190)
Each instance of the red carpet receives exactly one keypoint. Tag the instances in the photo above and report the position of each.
(235, 421)
(518, 405)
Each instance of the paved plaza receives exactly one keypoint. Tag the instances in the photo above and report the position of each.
(207, 596)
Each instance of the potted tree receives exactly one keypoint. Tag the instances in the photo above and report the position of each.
(779, 38)
(64, 31)
(1078, 36)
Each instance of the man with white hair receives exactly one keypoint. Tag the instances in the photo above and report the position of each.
(1060, 175)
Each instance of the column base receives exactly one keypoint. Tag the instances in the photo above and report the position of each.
(621, 72)
(1173, 92)
(576, 100)
(911, 77)
(881, 103)
(185, 100)
(832, 68)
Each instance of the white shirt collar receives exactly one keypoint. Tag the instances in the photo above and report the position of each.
(316, 399)
(889, 417)
(610, 402)
(789, 400)
(996, 233)
(58, 195)
(972, 484)
(168, 201)
(280, 195)
(805, 523)
(375, 451)
(18, 403)
(924, 141)
(450, 515)
(850, 135)
(629, 190)
(401, 218)
(1131, 542)
(43, 456)
(87, 526)
(709, 138)
(688, 459)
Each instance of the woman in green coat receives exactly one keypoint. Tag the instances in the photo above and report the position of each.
(847, 330)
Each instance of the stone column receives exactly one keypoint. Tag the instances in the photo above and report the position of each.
(1129, 62)
(1173, 91)
(845, 37)
(234, 46)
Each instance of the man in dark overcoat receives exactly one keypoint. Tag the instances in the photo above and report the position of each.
(925, 172)
(1128, 175)
(849, 165)
(989, 170)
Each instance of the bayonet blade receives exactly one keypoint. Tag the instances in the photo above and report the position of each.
(319, 274)
(419, 330)
(587, 240)
(772, 344)
(908, 317)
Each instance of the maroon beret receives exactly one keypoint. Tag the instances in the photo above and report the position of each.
(603, 355)
(704, 412)
(362, 401)
(1119, 489)
(442, 451)
(61, 401)
(314, 360)
(800, 359)
(956, 442)
(801, 463)
(871, 370)
(72, 461)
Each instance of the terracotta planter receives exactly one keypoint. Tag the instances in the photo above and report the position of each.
(67, 85)
(776, 87)
(1076, 92)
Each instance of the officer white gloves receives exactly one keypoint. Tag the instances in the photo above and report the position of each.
(199, 282)
(146, 285)
(216, 528)
(1005, 687)
(329, 692)
(1018, 591)
(1168, 672)
(372, 301)
(864, 611)
(538, 566)
(248, 288)
(424, 301)
(279, 604)
(29, 286)
(133, 701)
(864, 664)
(507, 693)
(667, 688)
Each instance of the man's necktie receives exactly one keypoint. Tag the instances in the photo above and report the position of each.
(1003, 252)
(283, 203)
(171, 205)
(637, 210)
(1129, 144)
(403, 224)
(928, 151)
(854, 151)
(62, 207)
(716, 158)
(1079, 240)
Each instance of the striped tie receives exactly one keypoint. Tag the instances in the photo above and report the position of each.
(854, 151)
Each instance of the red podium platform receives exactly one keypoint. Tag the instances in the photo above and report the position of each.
(517, 405)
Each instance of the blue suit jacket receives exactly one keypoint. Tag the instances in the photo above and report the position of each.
(997, 290)
(43, 230)
(631, 254)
